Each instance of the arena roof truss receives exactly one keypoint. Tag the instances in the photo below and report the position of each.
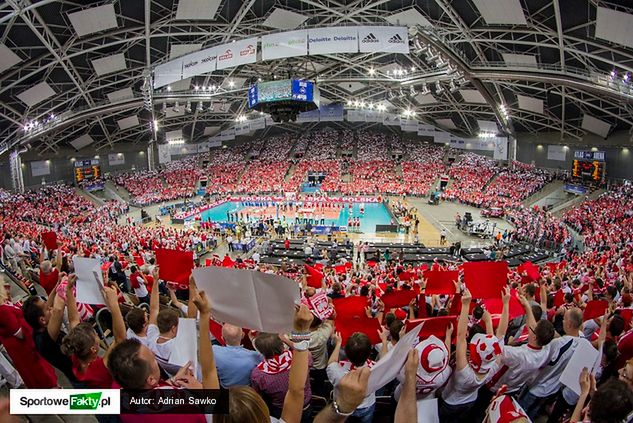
(69, 69)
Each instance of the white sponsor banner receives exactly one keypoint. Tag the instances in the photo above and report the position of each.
(391, 39)
(199, 63)
(373, 116)
(237, 53)
(426, 130)
(390, 119)
(41, 168)
(242, 128)
(168, 73)
(501, 148)
(556, 152)
(214, 142)
(442, 137)
(356, 116)
(285, 44)
(164, 153)
(342, 39)
(409, 125)
(311, 116)
(259, 123)
(227, 134)
(116, 159)
(65, 401)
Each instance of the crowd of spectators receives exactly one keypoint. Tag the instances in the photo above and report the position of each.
(470, 174)
(423, 166)
(514, 184)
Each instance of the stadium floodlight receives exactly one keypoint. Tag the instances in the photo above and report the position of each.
(381, 107)
(372, 71)
(425, 89)
(231, 83)
(412, 69)
(176, 107)
(412, 91)
(200, 107)
(451, 86)
(155, 126)
(188, 107)
(438, 88)
(168, 87)
(195, 88)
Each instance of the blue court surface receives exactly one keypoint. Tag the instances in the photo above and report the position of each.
(375, 214)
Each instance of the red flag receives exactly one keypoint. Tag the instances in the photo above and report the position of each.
(371, 263)
(50, 240)
(395, 299)
(319, 266)
(175, 266)
(486, 279)
(216, 330)
(531, 270)
(369, 327)
(320, 306)
(207, 262)
(314, 277)
(432, 326)
(340, 269)
(594, 309)
(405, 276)
(495, 305)
(349, 264)
(626, 314)
(440, 281)
(350, 307)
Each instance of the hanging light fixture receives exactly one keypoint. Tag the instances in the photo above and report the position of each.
(438, 88)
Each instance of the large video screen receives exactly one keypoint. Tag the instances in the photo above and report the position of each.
(288, 89)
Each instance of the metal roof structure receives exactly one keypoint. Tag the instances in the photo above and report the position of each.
(74, 68)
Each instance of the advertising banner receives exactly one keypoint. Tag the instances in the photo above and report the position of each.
(501, 148)
(116, 159)
(285, 44)
(199, 63)
(342, 39)
(331, 113)
(164, 153)
(390, 39)
(259, 123)
(168, 73)
(237, 53)
(356, 116)
(409, 125)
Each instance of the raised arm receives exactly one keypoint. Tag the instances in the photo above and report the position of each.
(71, 303)
(207, 360)
(461, 358)
(293, 402)
(55, 321)
(503, 322)
(338, 340)
(350, 394)
(407, 410)
(118, 324)
(154, 299)
(193, 290)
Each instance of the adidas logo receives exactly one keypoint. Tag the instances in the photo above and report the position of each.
(396, 39)
(370, 38)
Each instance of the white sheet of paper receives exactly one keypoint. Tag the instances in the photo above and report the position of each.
(89, 280)
(388, 367)
(585, 355)
(427, 411)
(249, 299)
(186, 344)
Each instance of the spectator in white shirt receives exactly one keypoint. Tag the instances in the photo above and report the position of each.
(471, 372)
(520, 365)
(357, 349)
(256, 257)
(141, 326)
(547, 383)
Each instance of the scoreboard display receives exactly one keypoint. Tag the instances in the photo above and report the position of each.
(588, 170)
(284, 90)
(87, 170)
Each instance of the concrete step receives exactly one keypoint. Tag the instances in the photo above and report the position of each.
(90, 197)
(544, 192)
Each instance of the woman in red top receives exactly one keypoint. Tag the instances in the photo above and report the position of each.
(82, 344)
(17, 337)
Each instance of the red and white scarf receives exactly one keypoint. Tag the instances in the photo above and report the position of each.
(277, 364)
